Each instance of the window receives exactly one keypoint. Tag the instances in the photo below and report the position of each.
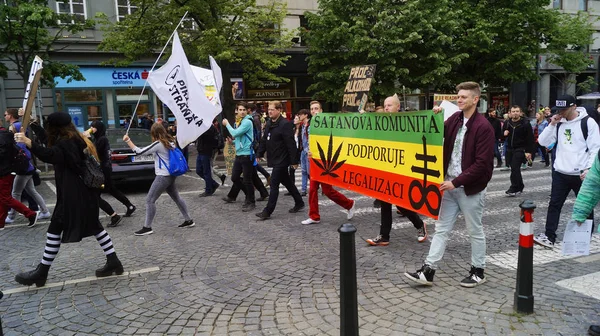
(303, 27)
(124, 8)
(72, 7)
(557, 4)
(582, 5)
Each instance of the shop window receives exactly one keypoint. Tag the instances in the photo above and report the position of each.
(59, 105)
(76, 8)
(130, 95)
(83, 95)
(94, 113)
(124, 8)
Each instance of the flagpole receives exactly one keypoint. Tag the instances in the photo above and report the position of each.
(153, 66)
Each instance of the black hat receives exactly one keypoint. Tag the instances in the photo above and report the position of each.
(564, 102)
(59, 119)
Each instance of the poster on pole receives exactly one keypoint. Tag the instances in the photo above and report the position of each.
(394, 157)
(229, 155)
(35, 66)
(357, 88)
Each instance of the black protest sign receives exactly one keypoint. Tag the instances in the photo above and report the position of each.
(357, 88)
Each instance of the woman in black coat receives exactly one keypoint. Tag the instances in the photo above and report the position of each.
(98, 131)
(76, 213)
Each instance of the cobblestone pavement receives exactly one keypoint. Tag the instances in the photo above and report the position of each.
(232, 274)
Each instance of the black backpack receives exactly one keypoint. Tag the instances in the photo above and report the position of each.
(20, 162)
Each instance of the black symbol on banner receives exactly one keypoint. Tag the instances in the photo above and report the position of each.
(424, 189)
(330, 163)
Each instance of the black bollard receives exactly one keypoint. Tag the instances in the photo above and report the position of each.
(348, 297)
(524, 290)
(1, 333)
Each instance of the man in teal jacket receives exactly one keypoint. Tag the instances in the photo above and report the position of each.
(244, 158)
(587, 198)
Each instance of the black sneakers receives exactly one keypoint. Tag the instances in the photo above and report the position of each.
(423, 276)
(228, 199)
(296, 208)
(262, 198)
(187, 224)
(33, 219)
(115, 220)
(263, 215)
(378, 241)
(475, 278)
(144, 231)
(248, 207)
(422, 234)
(130, 211)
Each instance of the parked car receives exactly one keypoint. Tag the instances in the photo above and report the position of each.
(125, 164)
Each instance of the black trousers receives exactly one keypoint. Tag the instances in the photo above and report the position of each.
(386, 219)
(515, 157)
(109, 188)
(243, 165)
(281, 175)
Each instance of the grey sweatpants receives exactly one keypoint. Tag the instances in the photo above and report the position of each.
(160, 185)
(25, 182)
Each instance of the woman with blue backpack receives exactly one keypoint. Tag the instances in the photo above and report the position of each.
(168, 164)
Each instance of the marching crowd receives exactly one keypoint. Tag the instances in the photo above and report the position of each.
(568, 140)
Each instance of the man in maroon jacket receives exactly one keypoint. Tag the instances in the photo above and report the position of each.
(468, 166)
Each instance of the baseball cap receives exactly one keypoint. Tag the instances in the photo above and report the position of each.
(564, 102)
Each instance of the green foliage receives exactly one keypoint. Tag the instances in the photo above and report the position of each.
(436, 44)
(29, 28)
(232, 31)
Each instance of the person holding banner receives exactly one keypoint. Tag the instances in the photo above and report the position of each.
(76, 213)
(164, 181)
(468, 167)
(313, 191)
(279, 145)
(392, 105)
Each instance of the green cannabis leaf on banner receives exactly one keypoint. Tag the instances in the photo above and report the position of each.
(329, 164)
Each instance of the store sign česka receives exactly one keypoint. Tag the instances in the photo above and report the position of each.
(107, 77)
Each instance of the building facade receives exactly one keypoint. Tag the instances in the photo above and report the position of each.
(554, 80)
(111, 94)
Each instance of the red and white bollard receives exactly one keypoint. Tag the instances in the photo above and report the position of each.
(524, 290)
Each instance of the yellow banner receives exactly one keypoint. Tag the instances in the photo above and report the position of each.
(389, 156)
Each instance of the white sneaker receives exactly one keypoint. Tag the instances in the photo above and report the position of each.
(45, 215)
(310, 221)
(543, 240)
(9, 220)
(351, 210)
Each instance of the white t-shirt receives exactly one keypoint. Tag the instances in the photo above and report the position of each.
(455, 164)
(157, 149)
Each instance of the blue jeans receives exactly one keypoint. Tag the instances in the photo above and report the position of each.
(561, 187)
(305, 169)
(453, 202)
(204, 170)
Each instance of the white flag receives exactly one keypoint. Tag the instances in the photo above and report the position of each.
(206, 78)
(35, 66)
(176, 86)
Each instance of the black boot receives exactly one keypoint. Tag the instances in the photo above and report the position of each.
(113, 265)
(38, 276)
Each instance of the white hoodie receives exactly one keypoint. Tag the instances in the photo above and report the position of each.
(571, 154)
